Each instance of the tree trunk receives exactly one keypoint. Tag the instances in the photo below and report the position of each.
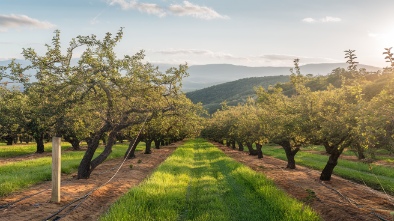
(240, 146)
(132, 146)
(259, 151)
(75, 144)
(290, 153)
(359, 151)
(327, 147)
(9, 140)
(332, 162)
(40, 142)
(148, 144)
(84, 168)
(252, 151)
(157, 144)
(233, 144)
(228, 143)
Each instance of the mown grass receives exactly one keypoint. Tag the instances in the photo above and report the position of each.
(22, 174)
(199, 182)
(24, 149)
(375, 176)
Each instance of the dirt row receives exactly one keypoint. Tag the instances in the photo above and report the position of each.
(338, 199)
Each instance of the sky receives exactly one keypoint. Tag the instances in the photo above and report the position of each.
(247, 32)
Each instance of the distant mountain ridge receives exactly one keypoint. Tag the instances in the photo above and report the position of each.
(202, 76)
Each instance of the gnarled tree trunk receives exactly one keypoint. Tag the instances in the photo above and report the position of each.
(39, 138)
(290, 153)
(259, 148)
(157, 144)
(240, 146)
(252, 151)
(233, 144)
(84, 168)
(9, 140)
(335, 151)
(132, 146)
(148, 145)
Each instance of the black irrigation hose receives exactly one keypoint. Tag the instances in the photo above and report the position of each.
(339, 193)
(373, 212)
(84, 197)
(379, 216)
(21, 199)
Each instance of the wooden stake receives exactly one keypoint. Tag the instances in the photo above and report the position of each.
(56, 169)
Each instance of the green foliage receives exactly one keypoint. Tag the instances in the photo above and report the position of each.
(198, 182)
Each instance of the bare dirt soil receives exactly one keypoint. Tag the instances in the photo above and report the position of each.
(338, 199)
(39, 207)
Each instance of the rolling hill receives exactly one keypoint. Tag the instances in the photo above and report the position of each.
(233, 92)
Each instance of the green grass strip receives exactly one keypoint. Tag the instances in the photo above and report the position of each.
(199, 182)
(24, 149)
(22, 174)
(375, 176)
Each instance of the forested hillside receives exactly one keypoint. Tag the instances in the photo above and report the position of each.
(233, 92)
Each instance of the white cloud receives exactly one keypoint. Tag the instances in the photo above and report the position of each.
(152, 9)
(330, 19)
(186, 9)
(290, 58)
(218, 55)
(309, 20)
(322, 20)
(190, 9)
(14, 21)
(253, 60)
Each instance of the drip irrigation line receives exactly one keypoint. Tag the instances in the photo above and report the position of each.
(21, 199)
(379, 216)
(339, 193)
(26, 197)
(84, 197)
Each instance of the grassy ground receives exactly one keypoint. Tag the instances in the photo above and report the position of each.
(24, 149)
(377, 177)
(199, 182)
(18, 175)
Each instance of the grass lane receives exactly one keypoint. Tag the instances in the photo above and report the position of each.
(24, 149)
(199, 182)
(22, 174)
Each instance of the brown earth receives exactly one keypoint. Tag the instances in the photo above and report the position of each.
(338, 199)
(39, 207)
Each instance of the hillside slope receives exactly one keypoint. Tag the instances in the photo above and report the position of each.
(233, 92)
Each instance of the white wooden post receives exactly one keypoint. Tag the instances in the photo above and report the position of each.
(56, 169)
